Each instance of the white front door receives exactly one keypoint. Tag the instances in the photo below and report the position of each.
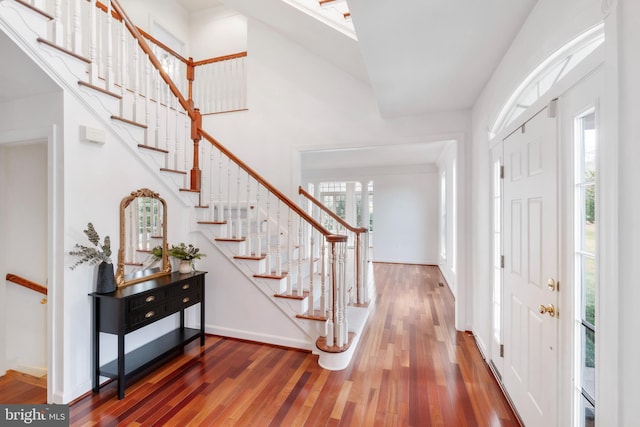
(530, 242)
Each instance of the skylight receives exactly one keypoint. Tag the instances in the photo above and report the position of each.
(334, 13)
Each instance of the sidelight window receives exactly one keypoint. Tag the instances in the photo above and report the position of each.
(586, 274)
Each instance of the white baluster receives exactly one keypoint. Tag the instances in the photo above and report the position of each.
(243, 86)
(332, 289)
(248, 206)
(187, 142)
(123, 66)
(220, 198)
(323, 276)
(58, 24)
(77, 29)
(136, 80)
(177, 138)
(211, 178)
(344, 333)
(109, 77)
(93, 27)
(278, 242)
(258, 225)
(290, 250)
(158, 131)
(147, 97)
(299, 285)
(268, 235)
(228, 216)
(311, 273)
(167, 133)
(239, 230)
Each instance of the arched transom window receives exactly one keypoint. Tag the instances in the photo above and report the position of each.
(545, 75)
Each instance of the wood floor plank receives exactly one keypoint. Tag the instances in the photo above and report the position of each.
(411, 368)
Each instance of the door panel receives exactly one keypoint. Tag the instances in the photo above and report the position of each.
(531, 252)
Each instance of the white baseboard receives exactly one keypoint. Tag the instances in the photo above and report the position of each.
(257, 337)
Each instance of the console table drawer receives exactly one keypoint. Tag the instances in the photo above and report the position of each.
(147, 300)
(186, 300)
(143, 317)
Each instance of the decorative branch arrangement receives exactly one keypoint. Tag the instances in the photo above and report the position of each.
(92, 255)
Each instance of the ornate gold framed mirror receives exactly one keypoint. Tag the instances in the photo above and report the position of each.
(143, 232)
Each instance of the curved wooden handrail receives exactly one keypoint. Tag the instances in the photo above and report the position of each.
(292, 205)
(332, 214)
(14, 278)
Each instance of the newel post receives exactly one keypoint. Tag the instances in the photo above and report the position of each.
(196, 173)
(337, 337)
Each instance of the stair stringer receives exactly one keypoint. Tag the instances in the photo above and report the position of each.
(236, 286)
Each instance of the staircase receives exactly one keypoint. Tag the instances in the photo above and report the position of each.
(102, 58)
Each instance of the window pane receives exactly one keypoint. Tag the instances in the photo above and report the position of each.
(587, 414)
(589, 290)
(588, 362)
(589, 219)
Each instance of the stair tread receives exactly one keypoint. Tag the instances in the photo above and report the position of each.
(312, 315)
(212, 222)
(62, 49)
(35, 9)
(304, 295)
(271, 275)
(152, 148)
(99, 89)
(230, 239)
(132, 123)
(173, 171)
(251, 257)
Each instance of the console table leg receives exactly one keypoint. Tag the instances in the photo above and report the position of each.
(121, 380)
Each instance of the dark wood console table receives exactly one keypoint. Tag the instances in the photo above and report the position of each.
(132, 307)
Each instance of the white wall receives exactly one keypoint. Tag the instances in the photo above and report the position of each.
(23, 227)
(405, 217)
(217, 32)
(298, 101)
(447, 164)
(628, 17)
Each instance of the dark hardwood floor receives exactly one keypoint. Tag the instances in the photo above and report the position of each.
(16, 387)
(412, 368)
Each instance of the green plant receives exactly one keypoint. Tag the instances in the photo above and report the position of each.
(185, 252)
(156, 252)
(92, 254)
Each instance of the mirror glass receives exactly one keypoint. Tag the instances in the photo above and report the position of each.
(143, 238)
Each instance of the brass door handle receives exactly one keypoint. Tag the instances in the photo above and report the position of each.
(550, 309)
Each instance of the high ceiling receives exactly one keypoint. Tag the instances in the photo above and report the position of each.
(419, 56)
(433, 55)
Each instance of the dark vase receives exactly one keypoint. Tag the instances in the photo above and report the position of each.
(105, 282)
